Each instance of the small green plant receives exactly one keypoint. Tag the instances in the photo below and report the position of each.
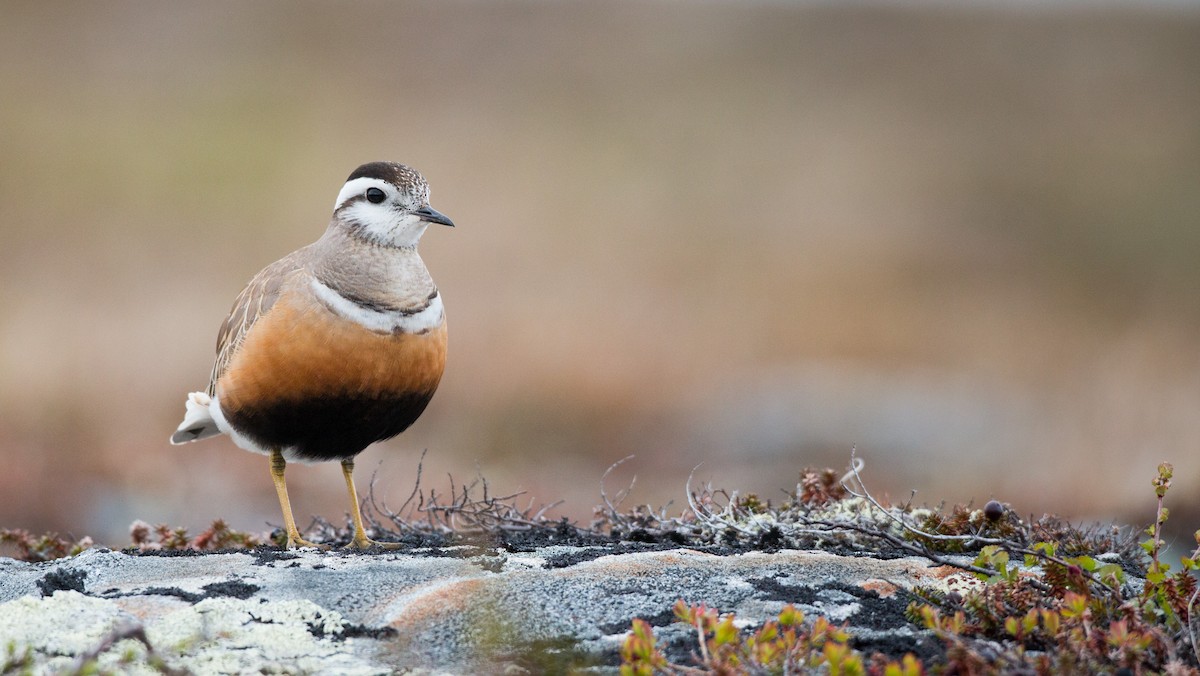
(1056, 598)
(1168, 598)
(640, 655)
(1157, 571)
(781, 646)
(1080, 615)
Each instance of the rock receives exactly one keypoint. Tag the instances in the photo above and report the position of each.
(459, 609)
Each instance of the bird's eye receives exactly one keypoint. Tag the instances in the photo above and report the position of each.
(375, 195)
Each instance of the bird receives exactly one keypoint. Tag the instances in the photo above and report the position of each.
(336, 346)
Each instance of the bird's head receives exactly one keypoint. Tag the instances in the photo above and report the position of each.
(386, 203)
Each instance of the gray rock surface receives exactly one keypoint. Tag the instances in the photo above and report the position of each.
(454, 610)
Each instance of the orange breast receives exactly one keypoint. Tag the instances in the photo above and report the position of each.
(308, 379)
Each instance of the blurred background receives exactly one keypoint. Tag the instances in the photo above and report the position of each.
(963, 238)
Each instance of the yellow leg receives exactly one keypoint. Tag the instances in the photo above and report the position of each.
(360, 541)
(278, 464)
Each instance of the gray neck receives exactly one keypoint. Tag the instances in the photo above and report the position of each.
(378, 277)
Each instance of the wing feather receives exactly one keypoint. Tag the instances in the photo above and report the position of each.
(251, 304)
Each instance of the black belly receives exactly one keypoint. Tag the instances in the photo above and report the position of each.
(329, 428)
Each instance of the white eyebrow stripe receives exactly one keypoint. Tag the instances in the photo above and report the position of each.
(358, 186)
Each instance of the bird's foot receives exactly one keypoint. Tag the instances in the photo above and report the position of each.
(296, 542)
(364, 543)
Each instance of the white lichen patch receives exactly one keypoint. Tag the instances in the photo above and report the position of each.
(735, 583)
(67, 621)
(216, 636)
(525, 562)
(835, 612)
(231, 636)
(59, 629)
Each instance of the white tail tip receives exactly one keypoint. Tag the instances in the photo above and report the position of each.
(197, 422)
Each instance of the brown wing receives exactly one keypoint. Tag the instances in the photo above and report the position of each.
(252, 303)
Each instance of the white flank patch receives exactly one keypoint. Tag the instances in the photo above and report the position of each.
(218, 415)
(381, 322)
